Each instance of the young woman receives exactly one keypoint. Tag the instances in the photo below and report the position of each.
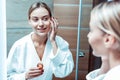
(104, 38)
(42, 53)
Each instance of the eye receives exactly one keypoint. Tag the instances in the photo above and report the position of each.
(45, 18)
(35, 19)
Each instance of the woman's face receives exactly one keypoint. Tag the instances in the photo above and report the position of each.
(96, 40)
(40, 21)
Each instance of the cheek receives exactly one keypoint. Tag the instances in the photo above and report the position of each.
(91, 38)
(48, 25)
(48, 29)
(93, 43)
(94, 40)
(33, 24)
(97, 45)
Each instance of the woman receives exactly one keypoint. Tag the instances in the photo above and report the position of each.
(41, 53)
(104, 38)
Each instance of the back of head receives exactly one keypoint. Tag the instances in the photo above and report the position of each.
(106, 16)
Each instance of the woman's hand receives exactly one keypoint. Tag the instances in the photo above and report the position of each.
(34, 72)
(52, 35)
(54, 28)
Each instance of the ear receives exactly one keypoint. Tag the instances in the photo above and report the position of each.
(109, 40)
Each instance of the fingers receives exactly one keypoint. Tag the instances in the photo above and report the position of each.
(34, 72)
(54, 29)
(54, 23)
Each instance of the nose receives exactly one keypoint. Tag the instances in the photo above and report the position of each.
(40, 22)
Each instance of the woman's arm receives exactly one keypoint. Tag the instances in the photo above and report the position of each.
(13, 71)
(63, 63)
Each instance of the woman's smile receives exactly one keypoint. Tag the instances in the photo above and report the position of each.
(41, 29)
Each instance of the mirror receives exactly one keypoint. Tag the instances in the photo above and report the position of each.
(17, 19)
(66, 11)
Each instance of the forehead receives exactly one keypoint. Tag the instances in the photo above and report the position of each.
(39, 12)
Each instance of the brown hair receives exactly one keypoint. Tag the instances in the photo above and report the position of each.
(38, 5)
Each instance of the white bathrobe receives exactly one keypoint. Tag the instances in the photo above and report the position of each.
(93, 75)
(113, 74)
(23, 56)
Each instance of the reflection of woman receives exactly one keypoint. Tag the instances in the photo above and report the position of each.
(104, 38)
(40, 46)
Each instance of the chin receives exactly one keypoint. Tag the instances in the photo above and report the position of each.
(42, 34)
(96, 54)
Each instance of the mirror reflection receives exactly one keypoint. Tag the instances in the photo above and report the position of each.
(41, 53)
(66, 12)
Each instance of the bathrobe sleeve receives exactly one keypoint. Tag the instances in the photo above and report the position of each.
(63, 61)
(14, 69)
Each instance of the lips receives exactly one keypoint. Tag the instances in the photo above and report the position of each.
(41, 29)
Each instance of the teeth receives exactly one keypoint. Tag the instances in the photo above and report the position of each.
(42, 29)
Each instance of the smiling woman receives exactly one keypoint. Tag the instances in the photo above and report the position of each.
(17, 21)
(42, 45)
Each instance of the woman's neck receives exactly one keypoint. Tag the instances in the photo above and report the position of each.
(114, 59)
(104, 66)
(41, 40)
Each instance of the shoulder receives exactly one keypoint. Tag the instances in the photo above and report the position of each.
(22, 40)
(61, 41)
(59, 38)
(113, 74)
(93, 75)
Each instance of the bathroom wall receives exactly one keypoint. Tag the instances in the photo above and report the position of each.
(67, 12)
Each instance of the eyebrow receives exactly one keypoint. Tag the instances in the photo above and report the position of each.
(42, 16)
(46, 16)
